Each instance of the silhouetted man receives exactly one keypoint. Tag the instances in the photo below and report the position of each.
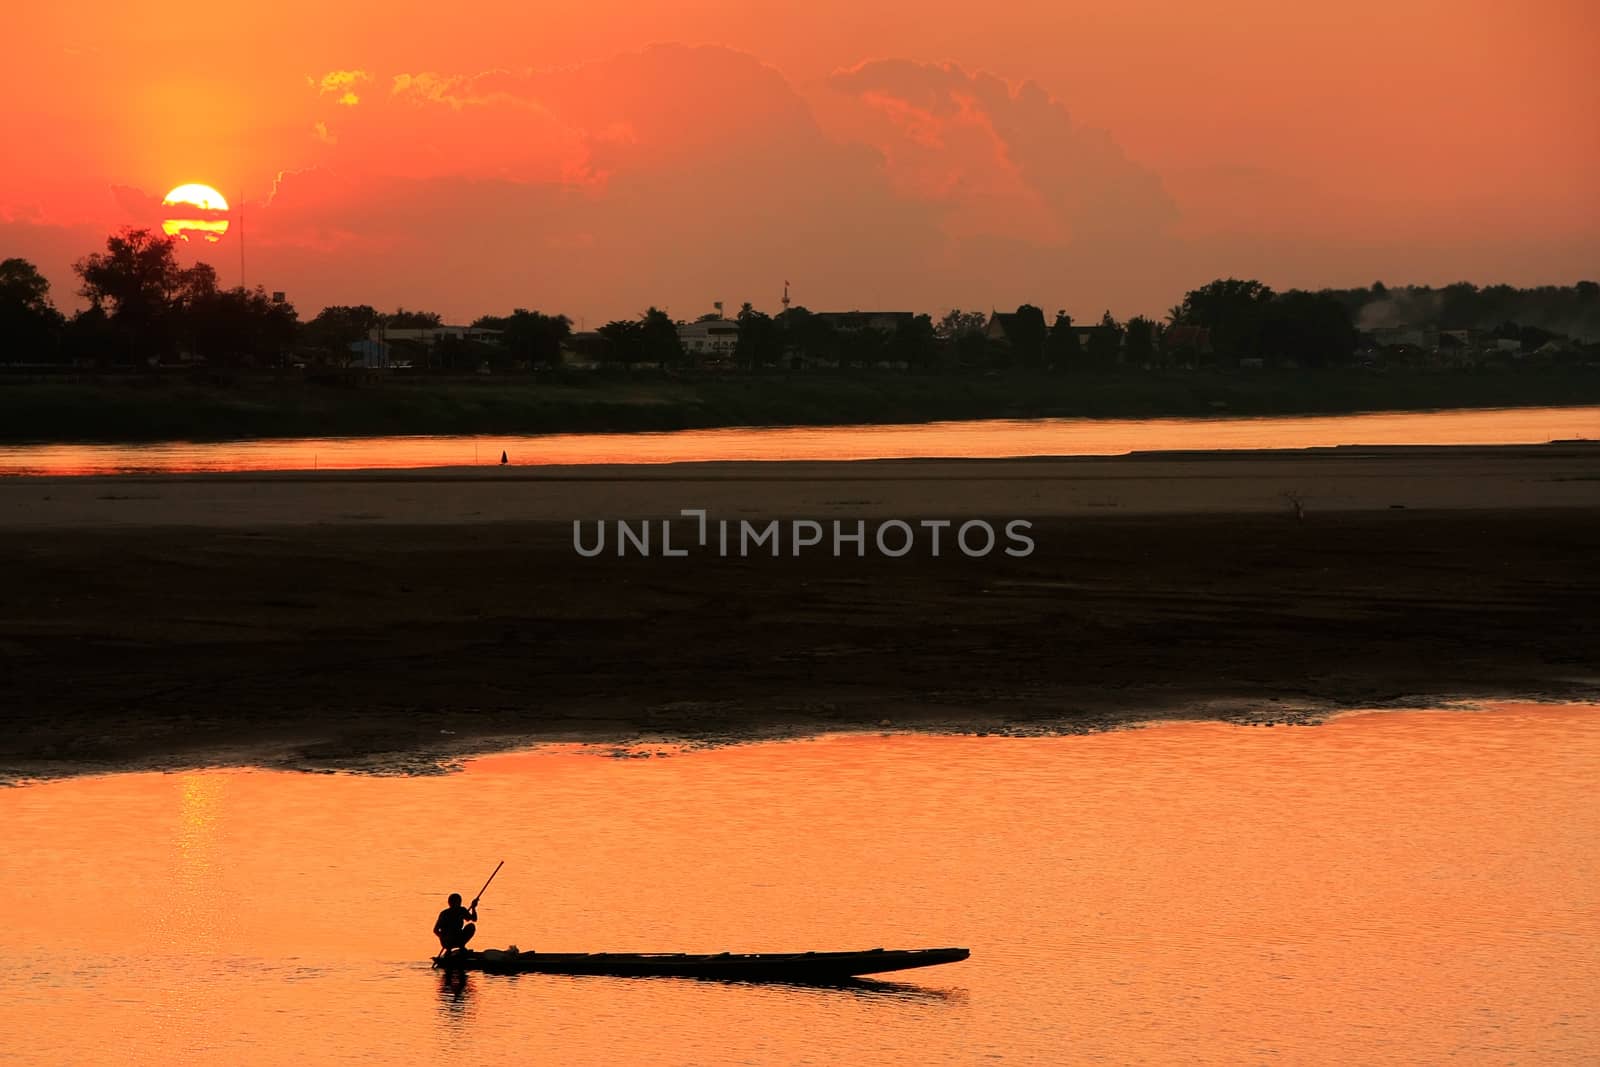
(453, 930)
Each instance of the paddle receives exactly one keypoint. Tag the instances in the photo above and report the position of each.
(485, 889)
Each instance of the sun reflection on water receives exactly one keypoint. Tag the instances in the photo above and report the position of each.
(195, 920)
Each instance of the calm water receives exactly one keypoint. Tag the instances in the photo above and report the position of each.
(1404, 887)
(973, 440)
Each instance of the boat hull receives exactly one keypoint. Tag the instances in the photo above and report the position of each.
(758, 967)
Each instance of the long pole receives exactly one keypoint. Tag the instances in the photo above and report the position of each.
(485, 888)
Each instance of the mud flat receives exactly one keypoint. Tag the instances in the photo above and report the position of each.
(386, 621)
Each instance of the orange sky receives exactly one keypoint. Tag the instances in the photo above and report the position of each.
(596, 157)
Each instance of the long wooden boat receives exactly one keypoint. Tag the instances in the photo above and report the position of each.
(757, 967)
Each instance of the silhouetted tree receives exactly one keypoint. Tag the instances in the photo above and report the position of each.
(626, 340)
(758, 343)
(963, 333)
(805, 335)
(139, 285)
(145, 295)
(1105, 343)
(659, 336)
(530, 336)
(337, 327)
(401, 319)
(651, 338)
(957, 322)
(1061, 348)
(1027, 335)
(1139, 349)
(30, 326)
(1233, 310)
(238, 326)
(913, 342)
(137, 276)
(89, 337)
(1312, 329)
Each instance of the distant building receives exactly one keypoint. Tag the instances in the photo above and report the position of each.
(1558, 346)
(713, 339)
(856, 321)
(1006, 326)
(1423, 337)
(397, 348)
(369, 353)
(432, 335)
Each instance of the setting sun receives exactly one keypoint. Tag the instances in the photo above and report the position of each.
(204, 215)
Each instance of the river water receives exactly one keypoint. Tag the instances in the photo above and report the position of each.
(1391, 887)
(982, 439)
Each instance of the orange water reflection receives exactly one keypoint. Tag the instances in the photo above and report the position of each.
(1395, 887)
(976, 440)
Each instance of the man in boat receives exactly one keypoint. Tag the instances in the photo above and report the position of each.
(452, 929)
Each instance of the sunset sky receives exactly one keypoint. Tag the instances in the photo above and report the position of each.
(596, 157)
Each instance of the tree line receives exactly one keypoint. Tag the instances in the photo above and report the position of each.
(145, 308)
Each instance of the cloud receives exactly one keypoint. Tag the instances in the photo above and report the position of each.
(139, 206)
(666, 106)
(341, 85)
(1000, 159)
(676, 175)
(430, 124)
(660, 176)
(322, 210)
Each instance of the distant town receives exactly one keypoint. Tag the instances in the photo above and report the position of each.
(145, 310)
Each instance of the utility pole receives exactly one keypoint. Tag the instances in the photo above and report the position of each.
(241, 238)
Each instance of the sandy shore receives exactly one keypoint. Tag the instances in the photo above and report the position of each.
(1194, 483)
(384, 621)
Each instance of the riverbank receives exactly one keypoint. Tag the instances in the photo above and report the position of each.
(155, 407)
(385, 622)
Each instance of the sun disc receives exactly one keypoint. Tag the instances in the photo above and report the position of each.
(196, 195)
(202, 214)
